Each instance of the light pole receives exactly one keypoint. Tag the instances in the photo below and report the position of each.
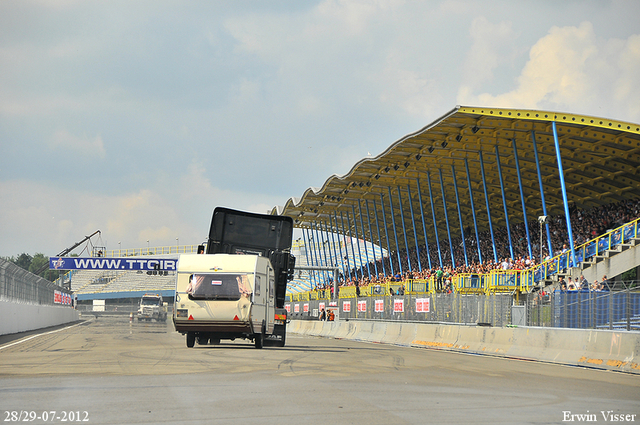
(147, 246)
(119, 249)
(177, 245)
(542, 220)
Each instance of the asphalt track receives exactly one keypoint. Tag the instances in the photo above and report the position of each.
(108, 371)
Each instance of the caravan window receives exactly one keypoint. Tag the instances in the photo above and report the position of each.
(219, 286)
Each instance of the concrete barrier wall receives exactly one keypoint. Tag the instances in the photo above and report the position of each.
(600, 349)
(20, 317)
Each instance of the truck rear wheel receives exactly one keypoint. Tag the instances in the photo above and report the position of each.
(282, 332)
(191, 339)
(259, 338)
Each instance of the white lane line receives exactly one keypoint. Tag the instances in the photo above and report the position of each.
(35, 336)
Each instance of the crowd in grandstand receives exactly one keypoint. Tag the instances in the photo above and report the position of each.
(586, 225)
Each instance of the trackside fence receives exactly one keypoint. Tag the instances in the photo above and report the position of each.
(438, 308)
(17, 284)
(617, 309)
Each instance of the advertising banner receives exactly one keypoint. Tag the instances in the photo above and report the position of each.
(126, 263)
(362, 306)
(398, 305)
(379, 306)
(62, 298)
(346, 306)
(422, 305)
(305, 308)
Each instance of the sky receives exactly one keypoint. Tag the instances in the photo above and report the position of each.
(138, 118)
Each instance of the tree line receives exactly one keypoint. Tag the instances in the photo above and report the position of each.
(33, 263)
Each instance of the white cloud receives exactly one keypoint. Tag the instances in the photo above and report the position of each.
(492, 47)
(50, 219)
(571, 69)
(80, 145)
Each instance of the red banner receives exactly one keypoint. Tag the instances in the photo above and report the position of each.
(398, 305)
(379, 306)
(422, 305)
(346, 306)
(362, 305)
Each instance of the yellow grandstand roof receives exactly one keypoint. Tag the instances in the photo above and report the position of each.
(600, 157)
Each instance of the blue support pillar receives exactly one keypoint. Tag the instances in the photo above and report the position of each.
(366, 252)
(318, 238)
(333, 243)
(564, 193)
(347, 275)
(375, 211)
(375, 260)
(355, 228)
(504, 201)
(328, 231)
(415, 234)
(544, 205)
(318, 250)
(464, 243)
(424, 227)
(473, 210)
(341, 258)
(353, 251)
(435, 223)
(312, 275)
(314, 261)
(323, 229)
(524, 208)
(486, 198)
(395, 233)
(446, 218)
(404, 229)
(327, 260)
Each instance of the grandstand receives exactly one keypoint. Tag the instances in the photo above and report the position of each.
(109, 284)
(467, 192)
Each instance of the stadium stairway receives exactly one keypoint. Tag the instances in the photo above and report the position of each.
(610, 263)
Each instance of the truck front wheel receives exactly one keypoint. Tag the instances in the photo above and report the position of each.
(191, 339)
